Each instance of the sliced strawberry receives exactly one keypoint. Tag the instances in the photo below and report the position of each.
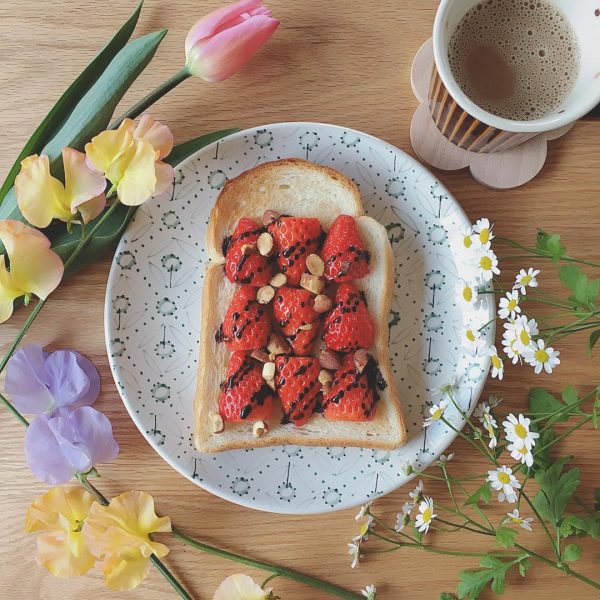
(293, 309)
(343, 251)
(245, 396)
(297, 383)
(352, 395)
(348, 326)
(246, 325)
(243, 262)
(295, 238)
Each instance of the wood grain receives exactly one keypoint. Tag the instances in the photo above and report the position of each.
(332, 61)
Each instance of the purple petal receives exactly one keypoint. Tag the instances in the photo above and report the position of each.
(43, 453)
(64, 427)
(95, 431)
(26, 380)
(72, 378)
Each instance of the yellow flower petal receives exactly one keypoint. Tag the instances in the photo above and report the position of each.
(134, 173)
(84, 186)
(239, 587)
(107, 146)
(123, 575)
(40, 196)
(34, 268)
(155, 132)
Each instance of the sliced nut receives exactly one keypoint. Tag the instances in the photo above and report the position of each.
(277, 345)
(305, 327)
(278, 280)
(315, 264)
(361, 358)
(247, 249)
(312, 283)
(325, 377)
(269, 216)
(328, 359)
(259, 429)
(265, 294)
(322, 303)
(268, 371)
(265, 243)
(260, 356)
(216, 422)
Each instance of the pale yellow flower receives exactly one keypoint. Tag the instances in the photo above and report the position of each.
(240, 587)
(58, 515)
(119, 536)
(34, 268)
(42, 197)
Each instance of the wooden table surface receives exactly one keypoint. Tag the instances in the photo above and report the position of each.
(333, 61)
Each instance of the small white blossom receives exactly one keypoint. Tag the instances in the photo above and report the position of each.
(425, 516)
(363, 511)
(483, 230)
(496, 363)
(443, 459)
(509, 345)
(370, 592)
(417, 493)
(486, 263)
(505, 483)
(406, 468)
(524, 330)
(526, 279)
(509, 306)
(516, 519)
(354, 552)
(365, 528)
(541, 358)
(403, 518)
(467, 238)
(471, 337)
(468, 293)
(436, 412)
(520, 453)
(517, 431)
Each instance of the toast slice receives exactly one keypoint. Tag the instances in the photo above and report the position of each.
(308, 190)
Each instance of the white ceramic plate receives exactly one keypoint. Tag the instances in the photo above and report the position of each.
(152, 315)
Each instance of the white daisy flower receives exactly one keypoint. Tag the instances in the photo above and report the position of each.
(354, 552)
(496, 362)
(515, 518)
(480, 410)
(403, 518)
(471, 337)
(363, 511)
(489, 424)
(483, 230)
(417, 494)
(509, 306)
(466, 237)
(365, 528)
(541, 358)
(436, 412)
(468, 293)
(443, 459)
(520, 453)
(517, 431)
(526, 279)
(505, 483)
(525, 330)
(509, 345)
(406, 468)
(486, 263)
(370, 592)
(425, 516)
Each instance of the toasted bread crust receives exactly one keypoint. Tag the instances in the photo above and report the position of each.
(387, 431)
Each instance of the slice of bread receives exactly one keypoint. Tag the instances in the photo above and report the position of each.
(308, 190)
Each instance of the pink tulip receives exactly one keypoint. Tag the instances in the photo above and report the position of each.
(218, 45)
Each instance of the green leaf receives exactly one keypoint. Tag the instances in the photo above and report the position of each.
(524, 566)
(594, 337)
(505, 537)
(575, 525)
(182, 151)
(94, 110)
(584, 291)
(597, 498)
(556, 489)
(472, 583)
(550, 244)
(447, 596)
(73, 94)
(542, 404)
(572, 552)
(570, 395)
(595, 411)
(481, 494)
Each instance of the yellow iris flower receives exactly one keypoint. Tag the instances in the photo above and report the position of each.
(58, 515)
(130, 158)
(119, 536)
(34, 267)
(42, 197)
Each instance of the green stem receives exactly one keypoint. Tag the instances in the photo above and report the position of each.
(163, 89)
(544, 254)
(164, 571)
(14, 411)
(268, 579)
(542, 522)
(257, 564)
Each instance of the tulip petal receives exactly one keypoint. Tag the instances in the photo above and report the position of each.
(215, 20)
(40, 196)
(156, 133)
(108, 146)
(164, 177)
(8, 292)
(225, 53)
(34, 268)
(26, 381)
(82, 183)
(137, 176)
(72, 379)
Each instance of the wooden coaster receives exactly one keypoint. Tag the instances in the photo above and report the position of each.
(500, 170)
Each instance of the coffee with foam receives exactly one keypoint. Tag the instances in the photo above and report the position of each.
(517, 59)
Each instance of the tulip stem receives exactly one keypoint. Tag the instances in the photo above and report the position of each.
(163, 89)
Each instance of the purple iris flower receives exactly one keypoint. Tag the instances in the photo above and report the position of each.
(68, 435)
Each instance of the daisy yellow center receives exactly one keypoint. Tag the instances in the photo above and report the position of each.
(484, 236)
(525, 338)
(467, 241)
(468, 294)
(523, 450)
(514, 350)
(503, 478)
(470, 335)
(526, 280)
(516, 520)
(521, 431)
(512, 304)
(496, 362)
(427, 515)
(541, 355)
(485, 263)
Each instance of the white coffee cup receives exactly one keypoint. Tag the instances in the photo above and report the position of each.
(469, 126)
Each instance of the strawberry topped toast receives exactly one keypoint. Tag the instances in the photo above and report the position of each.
(294, 340)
